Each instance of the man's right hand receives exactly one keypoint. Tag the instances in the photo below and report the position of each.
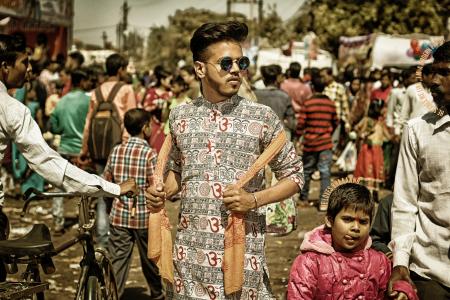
(399, 273)
(155, 197)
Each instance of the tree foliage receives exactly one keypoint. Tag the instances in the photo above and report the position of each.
(168, 45)
(273, 31)
(330, 19)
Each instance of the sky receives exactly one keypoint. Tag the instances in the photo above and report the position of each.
(92, 17)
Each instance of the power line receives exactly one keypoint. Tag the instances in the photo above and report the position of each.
(94, 28)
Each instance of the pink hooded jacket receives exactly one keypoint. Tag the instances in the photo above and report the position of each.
(322, 273)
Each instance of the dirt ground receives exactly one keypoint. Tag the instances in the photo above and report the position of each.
(63, 281)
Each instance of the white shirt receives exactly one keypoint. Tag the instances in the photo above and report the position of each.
(418, 101)
(16, 124)
(421, 207)
(395, 103)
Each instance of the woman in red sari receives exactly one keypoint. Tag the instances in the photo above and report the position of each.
(156, 98)
(370, 164)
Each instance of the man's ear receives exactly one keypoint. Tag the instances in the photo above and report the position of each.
(200, 69)
(4, 71)
(328, 222)
(4, 66)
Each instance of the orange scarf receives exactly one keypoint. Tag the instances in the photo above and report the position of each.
(234, 252)
(159, 233)
(234, 241)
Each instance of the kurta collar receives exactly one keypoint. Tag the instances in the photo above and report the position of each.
(223, 106)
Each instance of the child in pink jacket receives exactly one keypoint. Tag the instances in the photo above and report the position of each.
(337, 261)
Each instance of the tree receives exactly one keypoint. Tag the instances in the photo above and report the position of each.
(330, 19)
(274, 30)
(135, 45)
(168, 45)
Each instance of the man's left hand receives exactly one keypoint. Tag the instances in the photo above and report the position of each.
(238, 200)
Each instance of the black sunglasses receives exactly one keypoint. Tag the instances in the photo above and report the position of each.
(226, 63)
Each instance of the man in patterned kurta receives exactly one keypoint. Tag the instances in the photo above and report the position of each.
(216, 138)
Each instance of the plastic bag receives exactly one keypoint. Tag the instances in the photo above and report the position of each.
(347, 161)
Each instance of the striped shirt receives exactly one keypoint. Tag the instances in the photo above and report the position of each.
(133, 159)
(317, 122)
(336, 92)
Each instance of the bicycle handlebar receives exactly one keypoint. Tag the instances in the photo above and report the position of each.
(33, 194)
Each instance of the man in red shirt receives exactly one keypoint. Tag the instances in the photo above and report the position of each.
(297, 90)
(317, 122)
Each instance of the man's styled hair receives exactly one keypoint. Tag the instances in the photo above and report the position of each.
(78, 57)
(10, 47)
(294, 69)
(442, 53)
(135, 119)
(211, 33)
(114, 62)
(350, 195)
(270, 73)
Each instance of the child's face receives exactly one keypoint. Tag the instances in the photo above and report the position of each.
(349, 230)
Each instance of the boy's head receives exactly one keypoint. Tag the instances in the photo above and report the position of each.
(79, 78)
(294, 70)
(270, 74)
(14, 64)
(116, 65)
(137, 121)
(349, 215)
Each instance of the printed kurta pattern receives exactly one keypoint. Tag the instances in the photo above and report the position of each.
(213, 145)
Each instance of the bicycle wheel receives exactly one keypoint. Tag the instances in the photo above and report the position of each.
(93, 289)
(108, 286)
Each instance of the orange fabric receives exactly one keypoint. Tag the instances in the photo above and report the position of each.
(234, 243)
(234, 240)
(159, 229)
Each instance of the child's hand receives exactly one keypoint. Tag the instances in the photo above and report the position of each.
(156, 197)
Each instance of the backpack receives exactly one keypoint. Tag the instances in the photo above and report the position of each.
(105, 130)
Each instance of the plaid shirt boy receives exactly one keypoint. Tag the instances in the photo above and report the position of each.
(133, 159)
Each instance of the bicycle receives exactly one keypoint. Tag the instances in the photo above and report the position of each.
(96, 279)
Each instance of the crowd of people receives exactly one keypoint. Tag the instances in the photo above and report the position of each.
(220, 119)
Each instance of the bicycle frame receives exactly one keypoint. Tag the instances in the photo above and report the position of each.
(93, 260)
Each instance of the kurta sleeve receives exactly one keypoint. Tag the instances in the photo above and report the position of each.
(286, 164)
(406, 192)
(174, 162)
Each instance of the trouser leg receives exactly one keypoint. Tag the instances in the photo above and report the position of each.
(430, 289)
(149, 268)
(324, 165)
(120, 247)
(309, 166)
